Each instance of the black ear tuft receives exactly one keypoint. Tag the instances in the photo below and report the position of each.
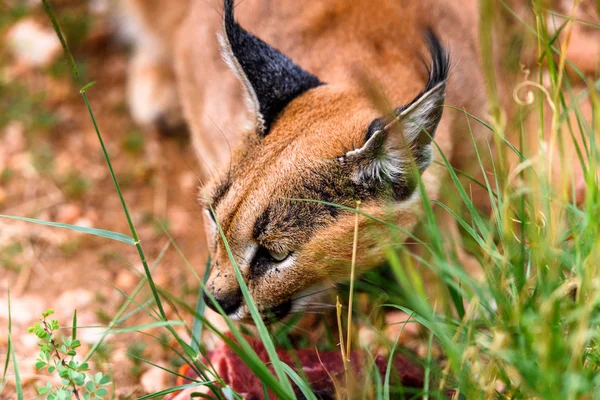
(393, 146)
(440, 61)
(271, 79)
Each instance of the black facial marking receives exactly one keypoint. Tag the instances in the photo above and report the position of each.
(261, 224)
(261, 263)
(277, 313)
(440, 61)
(377, 125)
(274, 78)
(220, 191)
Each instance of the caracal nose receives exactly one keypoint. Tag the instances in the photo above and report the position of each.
(229, 301)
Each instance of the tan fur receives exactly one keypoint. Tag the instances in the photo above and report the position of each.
(341, 42)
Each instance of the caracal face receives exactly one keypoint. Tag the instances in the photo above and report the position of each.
(313, 146)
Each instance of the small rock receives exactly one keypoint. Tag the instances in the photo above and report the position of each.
(84, 222)
(33, 44)
(90, 335)
(154, 379)
(25, 309)
(68, 213)
(74, 299)
(125, 280)
(29, 343)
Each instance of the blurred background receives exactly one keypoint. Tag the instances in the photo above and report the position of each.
(52, 168)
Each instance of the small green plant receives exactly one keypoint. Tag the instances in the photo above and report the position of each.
(76, 380)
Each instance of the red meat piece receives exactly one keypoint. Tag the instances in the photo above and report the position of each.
(318, 367)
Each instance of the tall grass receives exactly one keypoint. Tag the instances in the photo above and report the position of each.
(529, 327)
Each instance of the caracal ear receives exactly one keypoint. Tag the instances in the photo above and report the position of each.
(393, 145)
(271, 80)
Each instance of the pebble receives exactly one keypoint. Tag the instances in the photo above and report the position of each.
(73, 299)
(89, 335)
(25, 309)
(154, 379)
(32, 44)
(68, 213)
(125, 280)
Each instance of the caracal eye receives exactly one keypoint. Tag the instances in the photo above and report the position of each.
(279, 256)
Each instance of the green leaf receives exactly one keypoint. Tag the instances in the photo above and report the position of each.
(11, 350)
(80, 380)
(48, 311)
(91, 231)
(86, 87)
(43, 390)
(101, 392)
(104, 380)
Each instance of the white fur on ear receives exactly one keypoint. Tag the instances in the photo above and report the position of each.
(385, 166)
(270, 78)
(389, 152)
(250, 98)
(419, 120)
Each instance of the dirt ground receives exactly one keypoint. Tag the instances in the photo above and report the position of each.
(52, 168)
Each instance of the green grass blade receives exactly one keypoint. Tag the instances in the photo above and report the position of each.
(132, 228)
(91, 231)
(428, 367)
(302, 385)
(11, 349)
(147, 326)
(175, 373)
(388, 369)
(174, 389)
(286, 387)
(74, 326)
(200, 307)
